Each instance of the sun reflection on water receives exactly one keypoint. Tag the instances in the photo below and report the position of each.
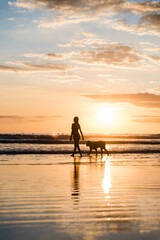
(106, 183)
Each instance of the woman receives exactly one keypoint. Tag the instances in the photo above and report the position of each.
(76, 136)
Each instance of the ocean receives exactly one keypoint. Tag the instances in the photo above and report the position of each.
(47, 194)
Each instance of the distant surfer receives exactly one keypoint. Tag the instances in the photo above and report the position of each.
(76, 128)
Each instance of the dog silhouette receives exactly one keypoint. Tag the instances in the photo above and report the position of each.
(95, 145)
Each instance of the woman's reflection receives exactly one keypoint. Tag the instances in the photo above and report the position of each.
(75, 182)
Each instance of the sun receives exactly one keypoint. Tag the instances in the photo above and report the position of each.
(106, 115)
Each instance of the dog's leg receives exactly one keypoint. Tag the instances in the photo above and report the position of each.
(101, 151)
(96, 152)
(90, 151)
(106, 151)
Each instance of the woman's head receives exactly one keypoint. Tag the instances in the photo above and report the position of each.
(76, 119)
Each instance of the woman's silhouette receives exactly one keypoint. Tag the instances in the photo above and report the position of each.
(75, 134)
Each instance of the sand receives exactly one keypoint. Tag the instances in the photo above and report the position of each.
(60, 197)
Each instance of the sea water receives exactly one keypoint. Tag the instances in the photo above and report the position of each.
(56, 196)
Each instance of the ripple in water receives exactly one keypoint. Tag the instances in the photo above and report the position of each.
(84, 197)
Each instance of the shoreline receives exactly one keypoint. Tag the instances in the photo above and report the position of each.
(61, 152)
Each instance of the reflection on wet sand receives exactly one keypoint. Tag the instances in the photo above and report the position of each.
(87, 197)
(111, 197)
(107, 177)
(75, 181)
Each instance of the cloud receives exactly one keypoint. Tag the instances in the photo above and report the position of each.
(151, 22)
(22, 4)
(88, 34)
(142, 7)
(55, 56)
(69, 5)
(47, 67)
(109, 79)
(34, 55)
(13, 69)
(38, 118)
(139, 99)
(88, 6)
(147, 119)
(157, 89)
(113, 80)
(60, 21)
(104, 75)
(29, 67)
(68, 75)
(153, 19)
(67, 78)
(115, 55)
(147, 46)
(11, 117)
(72, 12)
(147, 24)
(154, 58)
(84, 43)
(11, 19)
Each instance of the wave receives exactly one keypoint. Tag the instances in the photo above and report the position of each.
(23, 141)
(18, 152)
(64, 139)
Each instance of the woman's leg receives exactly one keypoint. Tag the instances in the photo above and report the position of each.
(74, 148)
(79, 148)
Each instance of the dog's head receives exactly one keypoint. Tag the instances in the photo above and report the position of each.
(88, 143)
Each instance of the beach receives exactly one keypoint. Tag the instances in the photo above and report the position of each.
(80, 76)
(56, 196)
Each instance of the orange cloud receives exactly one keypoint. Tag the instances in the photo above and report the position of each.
(29, 67)
(28, 119)
(153, 19)
(147, 46)
(88, 34)
(116, 55)
(113, 54)
(157, 89)
(139, 99)
(55, 56)
(69, 5)
(71, 12)
(84, 42)
(155, 58)
(148, 24)
(147, 119)
(63, 20)
(143, 7)
(73, 6)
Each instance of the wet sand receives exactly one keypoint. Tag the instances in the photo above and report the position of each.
(60, 197)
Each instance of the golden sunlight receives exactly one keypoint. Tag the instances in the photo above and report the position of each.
(107, 178)
(106, 115)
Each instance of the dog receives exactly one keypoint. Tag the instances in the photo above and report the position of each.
(97, 144)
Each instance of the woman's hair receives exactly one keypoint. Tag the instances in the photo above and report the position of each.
(76, 119)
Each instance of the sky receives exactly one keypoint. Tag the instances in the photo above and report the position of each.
(98, 60)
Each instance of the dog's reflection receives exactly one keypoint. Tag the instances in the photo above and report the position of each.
(98, 159)
(75, 191)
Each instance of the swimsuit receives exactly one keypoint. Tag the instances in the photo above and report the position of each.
(75, 128)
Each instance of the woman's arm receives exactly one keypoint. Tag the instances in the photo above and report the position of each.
(81, 132)
(71, 135)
